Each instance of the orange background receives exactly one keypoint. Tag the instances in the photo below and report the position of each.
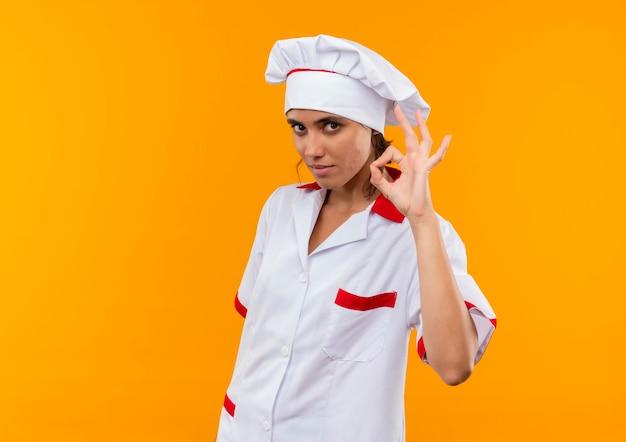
(138, 141)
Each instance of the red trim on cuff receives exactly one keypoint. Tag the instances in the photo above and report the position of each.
(241, 309)
(470, 306)
(355, 302)
(229, 406)
(421, 350)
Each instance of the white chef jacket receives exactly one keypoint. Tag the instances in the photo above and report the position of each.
(324, 344)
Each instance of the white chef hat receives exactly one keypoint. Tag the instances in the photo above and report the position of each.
(342, 77)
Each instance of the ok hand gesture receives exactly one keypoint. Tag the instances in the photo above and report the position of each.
(410, 193)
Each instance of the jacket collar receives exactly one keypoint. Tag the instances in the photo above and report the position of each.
(382, 206)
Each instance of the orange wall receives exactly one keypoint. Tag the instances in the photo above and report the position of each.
(138, 141)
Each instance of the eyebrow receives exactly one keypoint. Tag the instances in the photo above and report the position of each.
(323, 120)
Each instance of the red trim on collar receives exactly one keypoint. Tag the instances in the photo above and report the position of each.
(386, 209)
(312, 185)
(382, 206)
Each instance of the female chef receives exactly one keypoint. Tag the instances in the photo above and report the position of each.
(342, 269)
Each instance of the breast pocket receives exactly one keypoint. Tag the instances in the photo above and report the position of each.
(357, 326)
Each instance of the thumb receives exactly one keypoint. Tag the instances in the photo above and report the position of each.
(378, 180)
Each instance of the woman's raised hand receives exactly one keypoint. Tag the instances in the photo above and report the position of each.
(410, 193)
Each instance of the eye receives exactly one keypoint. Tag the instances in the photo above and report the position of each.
(298, 128)
(332, 126)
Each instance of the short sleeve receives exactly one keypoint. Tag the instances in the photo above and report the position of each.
(481, 312)
(248, 280)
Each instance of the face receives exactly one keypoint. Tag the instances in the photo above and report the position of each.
(336, 150)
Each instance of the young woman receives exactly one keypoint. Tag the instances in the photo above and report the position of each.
(342, 269)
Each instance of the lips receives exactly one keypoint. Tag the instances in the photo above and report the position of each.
(320, 169)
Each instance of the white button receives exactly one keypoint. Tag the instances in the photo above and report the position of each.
(284, 350)
(302, 277)
(266, 425)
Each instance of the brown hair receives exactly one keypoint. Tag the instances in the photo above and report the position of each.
(379, 144)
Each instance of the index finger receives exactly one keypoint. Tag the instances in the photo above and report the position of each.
(391, 154)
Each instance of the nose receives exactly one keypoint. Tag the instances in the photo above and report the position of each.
(314, 145)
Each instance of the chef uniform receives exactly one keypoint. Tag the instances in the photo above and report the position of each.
(324, 344)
